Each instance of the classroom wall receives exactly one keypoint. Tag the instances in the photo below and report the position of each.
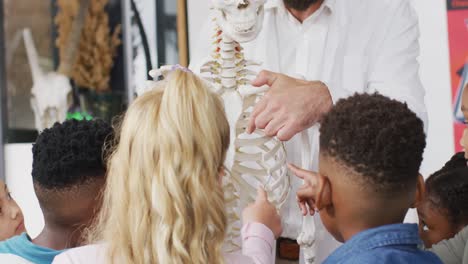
(18, 159)
(434, 74)
(198, 13)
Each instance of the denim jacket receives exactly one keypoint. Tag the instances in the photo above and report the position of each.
(399, 243)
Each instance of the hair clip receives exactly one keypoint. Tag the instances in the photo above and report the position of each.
(180, 67)
(163, 71)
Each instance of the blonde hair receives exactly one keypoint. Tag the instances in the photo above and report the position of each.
(163, 201)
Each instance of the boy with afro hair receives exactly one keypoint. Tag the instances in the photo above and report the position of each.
(371, 148)
(68, 176)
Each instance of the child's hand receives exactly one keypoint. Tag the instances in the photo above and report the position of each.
(262, 211)
(313, 193)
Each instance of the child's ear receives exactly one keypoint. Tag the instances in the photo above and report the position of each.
(324, 195)
(420, 191)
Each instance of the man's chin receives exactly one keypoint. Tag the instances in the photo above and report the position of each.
(299, 5)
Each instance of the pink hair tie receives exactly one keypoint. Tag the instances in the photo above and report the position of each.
(180, 67)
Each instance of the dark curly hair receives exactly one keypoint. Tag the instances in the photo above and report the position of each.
(70, 153)
(447, 189)
(380, 139)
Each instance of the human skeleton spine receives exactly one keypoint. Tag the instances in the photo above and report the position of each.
(256, 160)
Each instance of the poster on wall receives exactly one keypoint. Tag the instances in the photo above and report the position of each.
(457, 18)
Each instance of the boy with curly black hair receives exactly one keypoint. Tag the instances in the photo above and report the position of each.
(68, 175)
(371, 148)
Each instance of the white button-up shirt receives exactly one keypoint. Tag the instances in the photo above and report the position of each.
(302, 47)
(301, 54)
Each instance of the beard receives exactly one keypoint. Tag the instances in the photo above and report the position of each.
(299, 5)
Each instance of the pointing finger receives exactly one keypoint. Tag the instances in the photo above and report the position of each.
(258, 109)
(261, 195)
(301, 173)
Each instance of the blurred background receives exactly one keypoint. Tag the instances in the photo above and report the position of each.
(144, 34)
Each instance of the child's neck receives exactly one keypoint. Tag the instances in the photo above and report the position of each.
(353, 228)
(59, 238)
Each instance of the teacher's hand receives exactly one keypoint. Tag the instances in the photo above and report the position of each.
(289, 106)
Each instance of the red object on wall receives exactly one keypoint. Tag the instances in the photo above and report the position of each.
(457, 15)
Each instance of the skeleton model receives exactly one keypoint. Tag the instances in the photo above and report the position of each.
(50, 91)
(254, 160)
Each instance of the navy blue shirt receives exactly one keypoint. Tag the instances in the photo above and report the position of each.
(392, 244)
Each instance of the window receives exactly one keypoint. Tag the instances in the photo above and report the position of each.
(145, 34)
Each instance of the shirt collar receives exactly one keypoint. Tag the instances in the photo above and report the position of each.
(23, 246)
(384, 236)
